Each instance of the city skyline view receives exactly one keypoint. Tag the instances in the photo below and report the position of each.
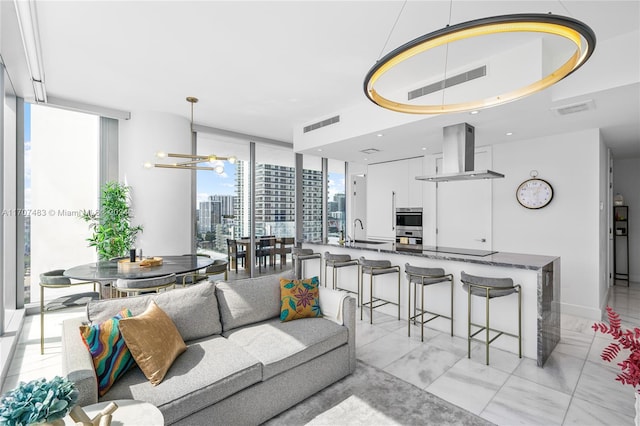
(211, 183)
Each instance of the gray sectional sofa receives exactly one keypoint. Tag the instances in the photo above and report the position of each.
(242, 365)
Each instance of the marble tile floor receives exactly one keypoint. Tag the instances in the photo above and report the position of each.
(575, 387)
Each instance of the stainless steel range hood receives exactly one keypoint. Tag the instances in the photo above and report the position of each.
(458, 151)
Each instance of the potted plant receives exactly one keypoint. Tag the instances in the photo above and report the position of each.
(113, 234)
(40, 401)
(624, 339)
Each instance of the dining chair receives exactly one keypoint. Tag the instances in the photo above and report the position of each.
(219, 266)
(264, 250)
(56, 279)
(145, 285)
(234, 255)
(284, 248)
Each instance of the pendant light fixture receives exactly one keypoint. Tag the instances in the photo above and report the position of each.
(194, 161)
(579, 34)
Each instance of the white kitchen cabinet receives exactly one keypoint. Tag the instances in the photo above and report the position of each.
(415, 187)
(389, 186)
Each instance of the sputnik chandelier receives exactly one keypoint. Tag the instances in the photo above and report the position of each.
(580, 35)
(193, 161)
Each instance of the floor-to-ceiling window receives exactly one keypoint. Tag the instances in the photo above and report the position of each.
(275, 191)
(312, 198)
(336, 201)
(221, 198)
(61, 150)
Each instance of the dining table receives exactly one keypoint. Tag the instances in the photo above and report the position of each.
(108, 270)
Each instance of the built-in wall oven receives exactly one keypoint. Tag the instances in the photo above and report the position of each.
(409, 228)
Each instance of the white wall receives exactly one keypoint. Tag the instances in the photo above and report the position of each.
(626, 176)
(569, 226)
(161, 198)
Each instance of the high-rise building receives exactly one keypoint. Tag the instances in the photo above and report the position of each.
(226, 204)
(275, 201)
(205, 217)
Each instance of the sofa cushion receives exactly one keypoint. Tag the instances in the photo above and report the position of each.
(281, 346)
(250, 300)
(299, 299)
(154, 341)
(111, 356)
(194, 310)
(210, 370)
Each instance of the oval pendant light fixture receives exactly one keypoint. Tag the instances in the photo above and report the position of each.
(579, 34)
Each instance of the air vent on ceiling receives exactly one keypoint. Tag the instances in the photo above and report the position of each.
(574, 108)
(369, 151)
(451, 81)
(323, 123)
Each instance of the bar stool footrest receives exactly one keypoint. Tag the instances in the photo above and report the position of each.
(416, 316)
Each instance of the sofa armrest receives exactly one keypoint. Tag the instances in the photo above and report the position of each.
(332, 304)
(77, 364)
(339, 307)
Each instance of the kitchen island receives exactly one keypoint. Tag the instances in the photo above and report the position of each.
(538, 275)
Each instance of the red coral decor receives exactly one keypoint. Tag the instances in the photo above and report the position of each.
(623, 339)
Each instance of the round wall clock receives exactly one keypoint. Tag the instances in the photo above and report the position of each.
(534, 193)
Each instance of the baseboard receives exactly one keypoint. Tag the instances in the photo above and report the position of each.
(9, 340)
(581, 311)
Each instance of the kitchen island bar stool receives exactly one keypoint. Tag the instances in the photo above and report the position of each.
(423, 277)
(490, 288)
(56, 279)
(299, 256)
(337, 261)
(376, 268)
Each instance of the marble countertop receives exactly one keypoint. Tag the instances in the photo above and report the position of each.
(504, 259)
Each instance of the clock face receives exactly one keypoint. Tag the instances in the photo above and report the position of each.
(534, 193)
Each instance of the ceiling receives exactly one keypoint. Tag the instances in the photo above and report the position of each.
(266, 68)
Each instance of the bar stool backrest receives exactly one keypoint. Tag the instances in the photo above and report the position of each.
(336, 258)
(499, 286)
(421, 275)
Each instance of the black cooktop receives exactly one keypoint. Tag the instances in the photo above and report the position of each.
(454, 250)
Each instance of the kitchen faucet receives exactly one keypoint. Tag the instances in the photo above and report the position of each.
(354, 228)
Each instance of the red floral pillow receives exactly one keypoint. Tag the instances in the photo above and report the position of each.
(299, 299)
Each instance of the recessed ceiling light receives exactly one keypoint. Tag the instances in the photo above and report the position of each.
(474, 112)
(319, 149)
(366, 159)
(380, 135)
(509, 133)
(424, 148)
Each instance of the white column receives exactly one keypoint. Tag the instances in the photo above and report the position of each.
(161, 198)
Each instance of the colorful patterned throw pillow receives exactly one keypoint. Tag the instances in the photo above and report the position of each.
(299, 299)
(111, 357)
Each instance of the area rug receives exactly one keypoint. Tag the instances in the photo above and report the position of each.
(373, 397)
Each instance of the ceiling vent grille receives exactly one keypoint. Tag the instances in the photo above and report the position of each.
(320, 124)
(369, 151)
(449, 82)
(574, 108)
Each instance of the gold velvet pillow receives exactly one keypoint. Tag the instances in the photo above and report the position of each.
(154, 341)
